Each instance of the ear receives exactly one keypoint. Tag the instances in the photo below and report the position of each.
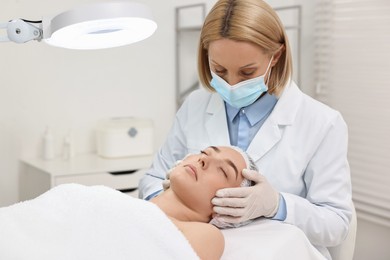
(277, 55)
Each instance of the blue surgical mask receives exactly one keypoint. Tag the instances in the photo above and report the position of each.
(243, 93)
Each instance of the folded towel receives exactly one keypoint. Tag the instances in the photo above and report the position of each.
(73, 221)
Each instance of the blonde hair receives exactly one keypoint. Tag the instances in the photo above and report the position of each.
(251, 21)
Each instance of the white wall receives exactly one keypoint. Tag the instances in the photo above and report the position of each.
(42, 85)
(372, 241)
(307, 41)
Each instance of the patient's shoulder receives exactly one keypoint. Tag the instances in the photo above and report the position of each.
(207, 240)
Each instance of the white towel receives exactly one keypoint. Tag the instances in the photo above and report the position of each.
(72, 221)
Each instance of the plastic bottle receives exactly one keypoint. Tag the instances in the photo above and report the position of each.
(67, 149)
(48, 145)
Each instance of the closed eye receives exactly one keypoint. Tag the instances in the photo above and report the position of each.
(220, 72)
(248, 71)
(224, 172)
(247, 74)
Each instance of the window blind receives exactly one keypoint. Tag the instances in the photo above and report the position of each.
(352, 71)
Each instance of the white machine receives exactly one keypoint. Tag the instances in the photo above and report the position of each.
(124, 137)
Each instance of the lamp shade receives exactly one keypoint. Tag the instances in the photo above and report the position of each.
(101, 25)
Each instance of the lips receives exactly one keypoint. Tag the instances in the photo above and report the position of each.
(192, 170)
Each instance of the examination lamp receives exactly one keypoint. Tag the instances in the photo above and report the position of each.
(92, 26)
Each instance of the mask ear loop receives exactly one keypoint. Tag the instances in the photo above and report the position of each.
(270, 70)
(272, 58)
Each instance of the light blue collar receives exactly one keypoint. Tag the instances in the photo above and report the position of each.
(254, 112)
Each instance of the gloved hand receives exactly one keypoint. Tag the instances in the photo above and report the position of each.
(236, 205)
(167, 182)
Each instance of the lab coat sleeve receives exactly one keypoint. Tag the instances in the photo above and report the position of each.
(172, 150)
(325, 213)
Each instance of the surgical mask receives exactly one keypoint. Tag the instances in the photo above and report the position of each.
(243, 93)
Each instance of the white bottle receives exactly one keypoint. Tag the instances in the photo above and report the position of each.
(48, 145)
(67, 149)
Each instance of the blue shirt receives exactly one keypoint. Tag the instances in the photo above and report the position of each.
(243, 125)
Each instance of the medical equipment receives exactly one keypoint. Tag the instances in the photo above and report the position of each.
(124, 137)
(93, 26)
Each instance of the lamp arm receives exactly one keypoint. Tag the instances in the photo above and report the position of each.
(21, 31)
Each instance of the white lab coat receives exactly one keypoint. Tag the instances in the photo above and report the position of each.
(301, 149)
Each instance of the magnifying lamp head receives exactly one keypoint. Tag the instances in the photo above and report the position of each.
(100, 26)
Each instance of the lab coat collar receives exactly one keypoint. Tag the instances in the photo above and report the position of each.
(270, 133)
(216, 124)
(283, 114)
(286, 109)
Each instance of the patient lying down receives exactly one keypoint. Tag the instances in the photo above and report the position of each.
(194, 182)
(73, 221)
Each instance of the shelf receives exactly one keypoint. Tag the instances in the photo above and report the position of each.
(87, 163)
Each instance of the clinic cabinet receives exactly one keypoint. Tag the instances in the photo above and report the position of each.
(38, 176)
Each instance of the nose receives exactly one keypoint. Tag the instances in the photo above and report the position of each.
(203, 162)
(232, 80)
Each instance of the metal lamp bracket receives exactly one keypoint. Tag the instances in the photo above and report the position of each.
(20, 31)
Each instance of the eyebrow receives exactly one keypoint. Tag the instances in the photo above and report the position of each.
(216, 149)
(242, 67)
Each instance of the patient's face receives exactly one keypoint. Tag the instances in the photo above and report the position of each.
(197, 178)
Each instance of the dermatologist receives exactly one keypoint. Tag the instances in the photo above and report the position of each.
(249, 100)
